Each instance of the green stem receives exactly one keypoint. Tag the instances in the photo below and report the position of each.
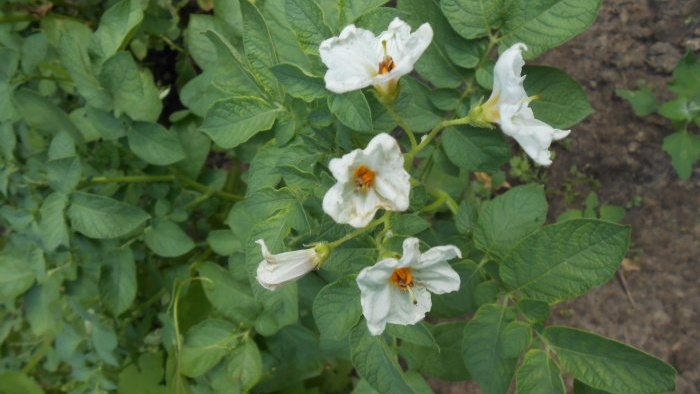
(432, 134)
(469, 89)
(39, 355)
(204, 188)
(131, 179)
(16, 18)
(403, 124)
(359, 231)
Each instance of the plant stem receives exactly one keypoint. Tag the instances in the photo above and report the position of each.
(432, 134)
(359, 231)
(204, 188)
(131, 179)
(176, 175)
(39, 355)
(404, 126)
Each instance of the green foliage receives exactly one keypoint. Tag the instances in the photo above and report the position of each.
(683, 111)
(147, 145)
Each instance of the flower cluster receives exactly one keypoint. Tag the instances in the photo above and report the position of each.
(398, 290)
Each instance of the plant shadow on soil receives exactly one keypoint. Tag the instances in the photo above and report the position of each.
(633, 40)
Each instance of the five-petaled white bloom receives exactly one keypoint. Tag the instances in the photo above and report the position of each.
(398, 291)
(357, 59)
(509, 107)
(368, 180)
(278, 269)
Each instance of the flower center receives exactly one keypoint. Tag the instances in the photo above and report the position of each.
(387, 64)
(402, 278)
(364, 178)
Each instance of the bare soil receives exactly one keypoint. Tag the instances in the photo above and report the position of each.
(660, 311)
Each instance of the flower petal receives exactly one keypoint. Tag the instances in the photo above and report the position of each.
(534, 136)
(434, 272)
(375, 294)
(405, 47)
(507, 79)
(403, 311)
(351, 58)
(276, 270)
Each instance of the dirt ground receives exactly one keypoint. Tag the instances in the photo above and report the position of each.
(632, 40)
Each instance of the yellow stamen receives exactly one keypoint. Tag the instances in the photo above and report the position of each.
(403, 279)
(387, 64)
(364, 178)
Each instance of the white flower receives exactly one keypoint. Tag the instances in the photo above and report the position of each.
(357, 59)
(509, 107)
(368, 179)
(278, 269)
(398, 291)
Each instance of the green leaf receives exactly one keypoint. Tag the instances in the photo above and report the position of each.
(199, 46)
(538, 374)
(16, 277)
(143, 377)
(587, 254)
(258, 48)
(118, 281)
(299, 83)
(110, 128)
(41, 113)
(446, 361)
(678, 109)
(221, 288)
(223, 242)
(337, 308)
(561, 102)
(154, 144)
(417, 334)
(308, 24)
(280, 309)
(351, 10)
(231, 122)
(408, 224)
(684, 149)
(15, 382)
(686, 76)
(582, 388)
(434, 65)
(73, 52)
(643, 101)
(510, 217)
(475, 149)
(167, 239)
(352, 110)
(493, 342)
(117, 24)
(205, 345)
(545, 24)
(43, 310)
(52, 226)
(9, 60)
(133, 90)
(102, 217)
(375, 362)
(464, 300)
(608, 365)
(104, 340)
(534, 311)
(244, 365)
(65, 174)
(473, 18)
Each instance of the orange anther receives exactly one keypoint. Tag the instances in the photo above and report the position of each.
(364, 177)
(402, 278)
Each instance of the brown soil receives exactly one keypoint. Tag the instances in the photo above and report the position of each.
(660, 313)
